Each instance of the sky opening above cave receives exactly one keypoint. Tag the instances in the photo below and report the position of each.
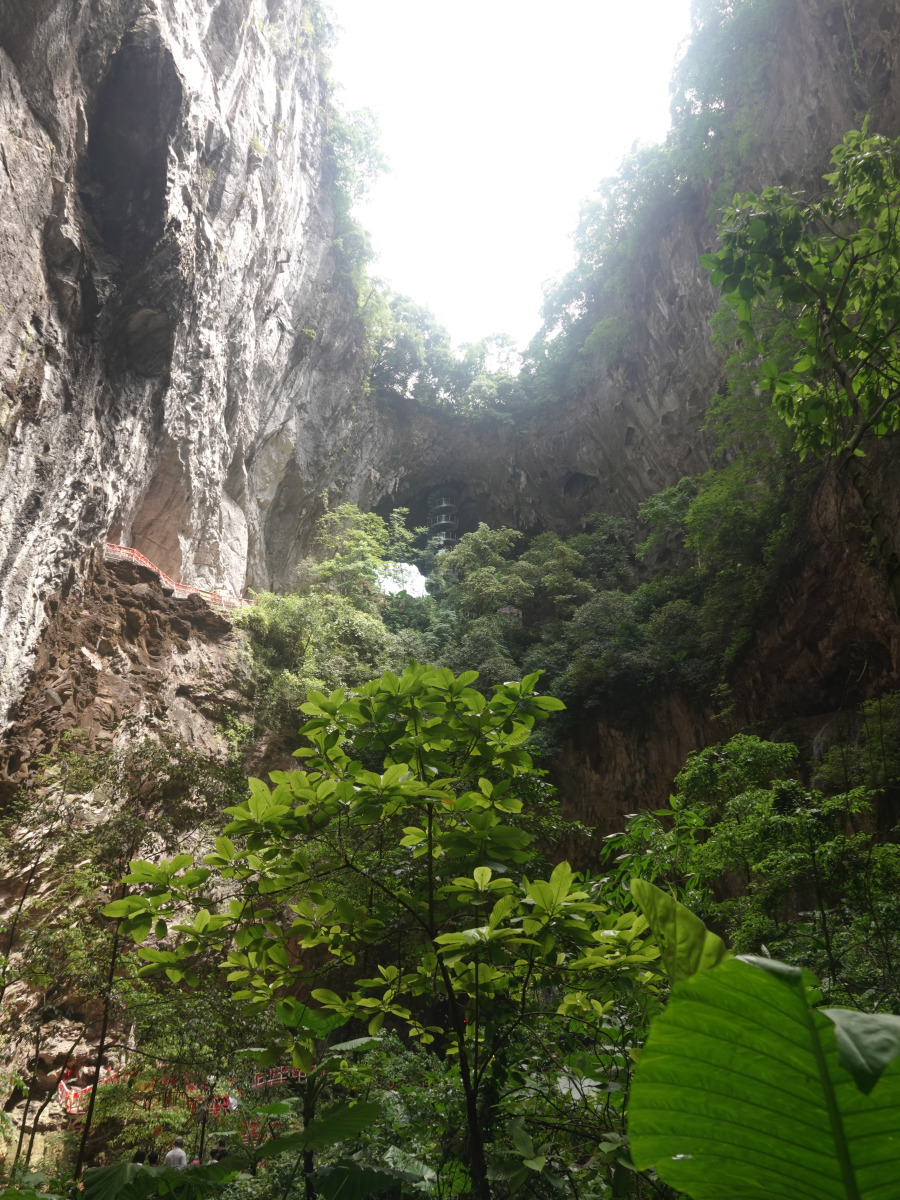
(498, 117)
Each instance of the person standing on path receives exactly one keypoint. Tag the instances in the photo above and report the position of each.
(176, 1158)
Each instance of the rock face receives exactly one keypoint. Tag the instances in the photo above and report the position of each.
(831, 641)
(181, 358)
(122, 656)
(176, 349)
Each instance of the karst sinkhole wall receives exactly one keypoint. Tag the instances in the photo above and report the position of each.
(181, 359)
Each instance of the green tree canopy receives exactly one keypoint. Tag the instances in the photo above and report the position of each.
(831, 264)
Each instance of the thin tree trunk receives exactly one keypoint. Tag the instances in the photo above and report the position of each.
(37, 1050)
(310, 1096)
(480, 1183)
(47, 1099)
(206, 1108)
(101, 1049)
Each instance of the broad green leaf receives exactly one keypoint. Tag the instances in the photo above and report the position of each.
(144, 872)
(520, 1139)
(139, 928)
(482, 877)
(134, 1181)
(278, 1108)
(195, 877)
(361, 1043)
(104, 1183)
(324, 996)
(501, 911)
(560, 882)
(121, 908)
(464, 680)
(740, 1093)
(686, 945)
(336, 1125)
(301, 1058)
(867, 1043)
(349, 1180)
(746, 290)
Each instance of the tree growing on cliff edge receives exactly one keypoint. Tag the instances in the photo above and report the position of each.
(831, 265)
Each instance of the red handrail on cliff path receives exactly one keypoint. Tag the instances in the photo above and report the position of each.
(182, 590)
(75, 1099)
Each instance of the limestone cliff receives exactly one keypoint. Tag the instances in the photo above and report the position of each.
(180, 357)
(176, 350)
(122, 654)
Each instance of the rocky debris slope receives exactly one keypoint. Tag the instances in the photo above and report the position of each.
(120, 655)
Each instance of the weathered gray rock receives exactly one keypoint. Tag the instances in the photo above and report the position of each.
(171, 317)
(180, 360)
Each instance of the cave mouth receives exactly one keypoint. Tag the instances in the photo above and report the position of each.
(578, 486)
(134, 118)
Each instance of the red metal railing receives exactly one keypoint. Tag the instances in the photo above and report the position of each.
(182, 590)
(75, 1099)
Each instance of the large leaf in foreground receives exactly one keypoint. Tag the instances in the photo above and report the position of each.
(740, 1092)
(348, 1180)
(685, 944)
(134, 1181)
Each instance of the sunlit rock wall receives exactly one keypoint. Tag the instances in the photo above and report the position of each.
(175, 343)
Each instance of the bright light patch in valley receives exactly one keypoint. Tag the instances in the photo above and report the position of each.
(403, 577)
(498, 117)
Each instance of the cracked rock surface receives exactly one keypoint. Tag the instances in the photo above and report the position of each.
(173, 328)
(122, 657)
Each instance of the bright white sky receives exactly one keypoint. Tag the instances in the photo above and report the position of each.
(498, 117)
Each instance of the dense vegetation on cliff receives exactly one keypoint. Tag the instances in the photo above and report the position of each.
(444, 1010)
(610, 615)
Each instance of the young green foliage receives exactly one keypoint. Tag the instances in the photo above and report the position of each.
(783, 867)
(401, 846)
(831, 264)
